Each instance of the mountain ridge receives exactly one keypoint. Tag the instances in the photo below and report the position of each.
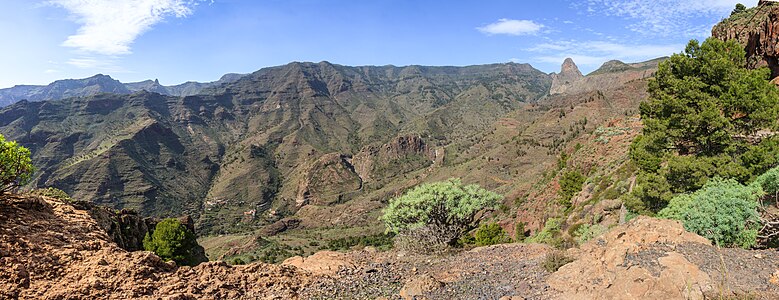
(99, 83)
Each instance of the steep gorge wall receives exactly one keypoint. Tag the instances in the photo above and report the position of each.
(758, 30)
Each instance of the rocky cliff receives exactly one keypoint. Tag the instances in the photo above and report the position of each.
(758, 30)
(610, 75)
(569, 75)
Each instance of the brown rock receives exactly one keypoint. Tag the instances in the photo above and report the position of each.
(621, 265)
(759, 36)
(417, 287)
(321, 263)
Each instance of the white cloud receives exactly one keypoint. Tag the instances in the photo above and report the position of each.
(665, 17)
(109, 27)
(592, 54)
(511, 27)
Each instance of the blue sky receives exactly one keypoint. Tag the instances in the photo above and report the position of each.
(199, 40)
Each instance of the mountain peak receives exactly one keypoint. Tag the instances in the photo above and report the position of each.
(569, 69)
(569, 73)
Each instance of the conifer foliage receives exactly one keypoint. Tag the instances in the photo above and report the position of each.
(704, 109)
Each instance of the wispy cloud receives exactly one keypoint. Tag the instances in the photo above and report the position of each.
(592, 54)
(664, 17)
(511, 27)
(109, 27)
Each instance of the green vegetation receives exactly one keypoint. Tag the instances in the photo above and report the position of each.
(556, 259)
(586, 232)
(724, 211)
(381, 241)
(171, 240)
(740, 8)
(438, 213)
(549, 234)
(52, 193)
(570, 185)
(519, 232)
(490, 234)
(15, 165)
(703, 109)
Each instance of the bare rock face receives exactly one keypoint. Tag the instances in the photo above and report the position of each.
(321, 263)
(759, 33)
(402, 154)
(331, 179)
(569, 74)
(626, 264)
(611, 75)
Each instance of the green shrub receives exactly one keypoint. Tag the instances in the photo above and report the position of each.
(570, 185)
(740, 8)
(556, 259)
(53, 193)
(15, 165)
(237, 261)
(768, 182)
(380, 241)
(171, 240)
(438, 212)
(490, 234)
(586, 232)
(550, 234)
(723, 211)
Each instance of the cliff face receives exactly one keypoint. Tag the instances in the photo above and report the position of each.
(569, 74)
(611, 75)
(758, 30)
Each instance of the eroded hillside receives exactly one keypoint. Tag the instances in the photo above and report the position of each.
(243, 154)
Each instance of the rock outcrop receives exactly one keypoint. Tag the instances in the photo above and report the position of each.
(657, 259)
(331, 179)
(758, 30)
(569, 74)
(611, 75)
(50, 249)
(400, 155)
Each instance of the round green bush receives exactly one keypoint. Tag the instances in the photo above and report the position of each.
(171, 240)
(724, 211)
(490, 234)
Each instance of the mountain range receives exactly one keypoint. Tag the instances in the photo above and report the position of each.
(322, 143)
(100, 83)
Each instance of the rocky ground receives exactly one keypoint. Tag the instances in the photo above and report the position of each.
(51, 250)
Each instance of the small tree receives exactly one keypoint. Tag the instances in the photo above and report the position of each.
(444, 211)
(15, 165)
(519, 232)
(570, 185)
(171, 240)
(740, 8)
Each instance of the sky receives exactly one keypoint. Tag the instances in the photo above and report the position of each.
(200, 40)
